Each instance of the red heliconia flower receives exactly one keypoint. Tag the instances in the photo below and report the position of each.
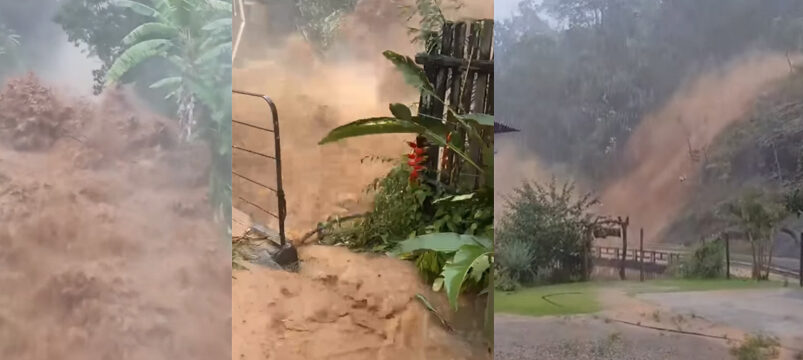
(417, 157)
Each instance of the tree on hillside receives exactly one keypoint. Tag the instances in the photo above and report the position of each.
(757, 214)
(794, 202)
(579, 88)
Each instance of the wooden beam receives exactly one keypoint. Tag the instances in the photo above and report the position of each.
(481, 66)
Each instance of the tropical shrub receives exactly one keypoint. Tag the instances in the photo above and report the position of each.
(516, 259)
(553, 222)
(706, 261)
(758, 214)
(794, 202)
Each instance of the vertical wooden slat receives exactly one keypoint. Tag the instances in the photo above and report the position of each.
(439, 82)
(800, 260)
(447, 48)
(485, 43)
(624, 249)
(467, 81)
(458, 137)
(641, 257)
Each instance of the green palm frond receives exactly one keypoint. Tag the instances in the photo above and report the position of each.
(215, 52)
(222, 24)
(218, 5)
(170, 81)
(149, 31)
(137, 7)
(135, 55)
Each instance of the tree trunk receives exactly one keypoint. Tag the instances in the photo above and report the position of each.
(754, 253)
(771, 243)
(186, 117)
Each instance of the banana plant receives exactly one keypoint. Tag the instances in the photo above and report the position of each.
(471, 259)
(193, 36)
(434, 129)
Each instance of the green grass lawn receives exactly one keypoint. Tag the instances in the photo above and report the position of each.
(575, 298)
(581, 298)
(680, 285)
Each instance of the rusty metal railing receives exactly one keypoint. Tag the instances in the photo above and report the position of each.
(276, 158)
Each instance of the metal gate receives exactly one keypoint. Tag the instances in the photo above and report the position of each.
(276, 189)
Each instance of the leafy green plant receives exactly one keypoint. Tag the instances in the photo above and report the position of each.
(194, 37)
(756, 213)
(758, 347)
(707, 261)
(794, 202)
(319, 20)
(517, 257)
(431, 20)
(435, 130)
(445, 230)
(470, 260)
(553, 222)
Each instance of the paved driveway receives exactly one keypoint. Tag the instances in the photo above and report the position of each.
(778, 312)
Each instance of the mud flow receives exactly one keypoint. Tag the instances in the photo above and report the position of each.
(342, 305)
(339, 304)
(107, 248)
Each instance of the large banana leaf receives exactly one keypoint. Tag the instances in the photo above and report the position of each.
(442, 242)
(376, 126)
(172, 82)
(133, 56)
(412, 73)
(148, 31)
(137, 7)
(470, 260)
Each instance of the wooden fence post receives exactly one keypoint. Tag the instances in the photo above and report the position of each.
(726, 237)
(624, 247)
(641, 255)
(624, 250)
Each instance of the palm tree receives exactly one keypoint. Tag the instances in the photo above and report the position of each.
(194, 36)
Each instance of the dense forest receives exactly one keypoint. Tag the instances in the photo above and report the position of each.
(578, 77)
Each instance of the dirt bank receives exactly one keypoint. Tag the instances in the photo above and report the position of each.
(341, 305)
(107, 250)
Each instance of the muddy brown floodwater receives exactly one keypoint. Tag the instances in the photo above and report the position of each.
(341, 305)
(107, 248)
